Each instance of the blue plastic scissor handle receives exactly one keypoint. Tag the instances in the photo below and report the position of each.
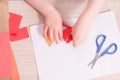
(100, 44)
(109, 47)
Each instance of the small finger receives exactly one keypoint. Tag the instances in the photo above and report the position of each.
(56, 36)
(60, 34)
(50, 32)
(45, 30)
(75, 42)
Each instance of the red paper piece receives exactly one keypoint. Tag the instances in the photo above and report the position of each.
(21, 34)
(15, 32)
(14, 22)
(5, 56)
(67, 34)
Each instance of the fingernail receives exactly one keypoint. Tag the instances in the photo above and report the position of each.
(75, 44)
(61, 39)
(57, 42)
(51, 39)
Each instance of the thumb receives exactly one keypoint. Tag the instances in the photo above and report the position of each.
(75, 43)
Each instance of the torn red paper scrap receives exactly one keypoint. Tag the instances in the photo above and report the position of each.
(15, 32)
(67, 34)
(69, 39)
(14, 22)
(21, 34)
(5, 56)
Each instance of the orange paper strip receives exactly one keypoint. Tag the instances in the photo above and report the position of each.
(15, 74)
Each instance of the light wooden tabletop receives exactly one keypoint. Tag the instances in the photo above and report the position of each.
(23, 49)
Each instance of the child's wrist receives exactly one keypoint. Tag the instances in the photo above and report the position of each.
(85, 20)
(48, 11)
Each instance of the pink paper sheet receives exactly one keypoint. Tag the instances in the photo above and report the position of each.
(5, 56)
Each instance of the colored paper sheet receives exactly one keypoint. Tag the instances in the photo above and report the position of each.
(5, 56)
(15, 32)
(67, 34)
(14, 23)
(15, 73)
(64, 62)
(21, 34)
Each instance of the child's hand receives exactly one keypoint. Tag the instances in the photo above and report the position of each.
(82, 26)
(53, 26)
(80, 31)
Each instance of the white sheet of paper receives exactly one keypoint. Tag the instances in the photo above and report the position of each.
(63, 62)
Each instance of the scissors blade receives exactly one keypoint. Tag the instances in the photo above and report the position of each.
(91, 62)
(94, 62)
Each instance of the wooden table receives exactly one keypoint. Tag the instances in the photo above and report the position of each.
(23, 49)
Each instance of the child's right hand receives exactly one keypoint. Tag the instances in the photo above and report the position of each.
(53, 26)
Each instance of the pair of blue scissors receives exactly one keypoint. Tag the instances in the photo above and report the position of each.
(111, 49)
